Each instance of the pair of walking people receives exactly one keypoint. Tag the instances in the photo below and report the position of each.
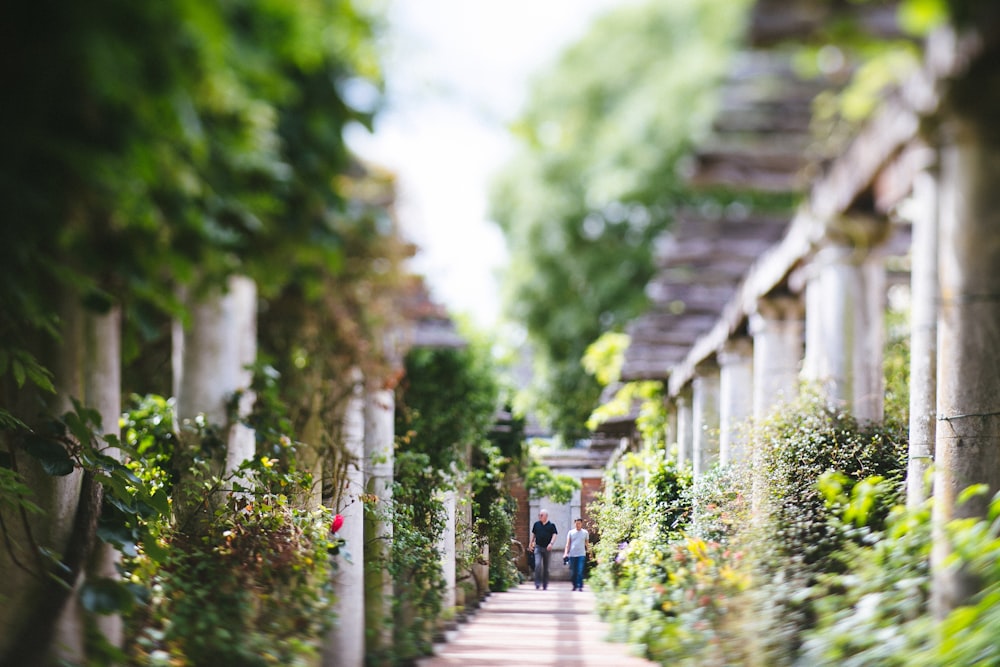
(543, 534)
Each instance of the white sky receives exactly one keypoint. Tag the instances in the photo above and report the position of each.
(457, 73)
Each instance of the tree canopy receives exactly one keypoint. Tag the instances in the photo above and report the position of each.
(599, 175)
(162, 145)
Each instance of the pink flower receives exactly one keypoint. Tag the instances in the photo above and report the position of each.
(338, 521)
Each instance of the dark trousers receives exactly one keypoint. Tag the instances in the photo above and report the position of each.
(576, 565)
(542, 566)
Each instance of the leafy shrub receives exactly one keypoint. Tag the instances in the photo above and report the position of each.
(795, 541)
(691, 574)
(800, 446)
(720, 507)
(418, 522)
(641, 509)
(967, 635)
(250, 587)
(498, 528)
(255, 590)
(446, 406)
(542, 482)
(875, 611)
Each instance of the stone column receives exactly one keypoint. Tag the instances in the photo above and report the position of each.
(345, 644)
(777, 329)
(735, 398)
(575, 509)
(845, 303)
(670, 432)
(447, 549)
(379, 458)
(685, 427)
(923, 213)
(705, 410)
(210, 359)
(209, 362)
(102, 388)
(967, 443)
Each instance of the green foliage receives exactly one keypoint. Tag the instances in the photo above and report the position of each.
(688, 572)
(643, 493)
(640, 516)
(800, 445)
(876, 611)
(604, 360)
(155, 150)
(605, 356)
(446, 407)
(919, 17)
(418, 522)
(446, 404)
(494, 509)
(172, 145)
(963, 637)
(795, 541)
(542, 482)
(499, 528)
(71, 443)
(255, 590)
(253, 587)
(896, 368)
(597, 180)
(720, 505)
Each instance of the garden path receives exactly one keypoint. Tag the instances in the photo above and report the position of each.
(522, 626)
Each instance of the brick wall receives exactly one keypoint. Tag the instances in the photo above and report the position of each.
(522, 521)
(589, 488)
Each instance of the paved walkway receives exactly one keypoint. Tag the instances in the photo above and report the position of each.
(531, 628)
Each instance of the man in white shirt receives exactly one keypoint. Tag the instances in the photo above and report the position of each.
(576, 551)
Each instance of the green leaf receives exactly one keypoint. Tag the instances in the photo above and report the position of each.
(9, 422)
(116, 533)
(160, 501)
(971, 492)
(17, 368)
(78, 426)
(51, 454)
(40, 376)
(156, 552)
(106, 596)
(919, 17)
(98, 301)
